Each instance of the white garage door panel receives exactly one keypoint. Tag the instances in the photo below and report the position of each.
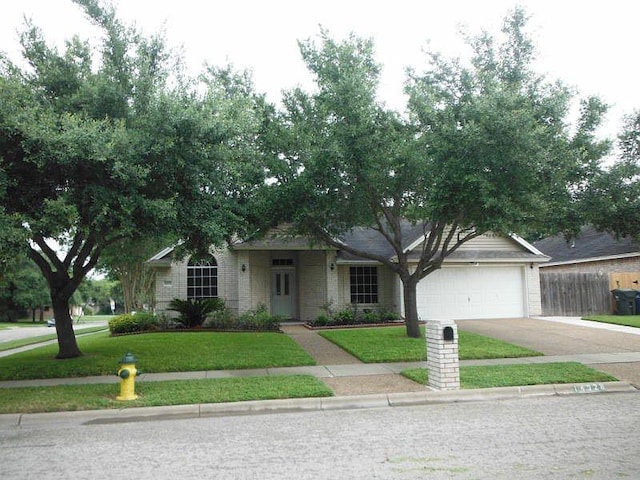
(472, 292)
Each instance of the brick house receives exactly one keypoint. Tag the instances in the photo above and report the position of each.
(490, 276)
(583, 271)
(591, 251)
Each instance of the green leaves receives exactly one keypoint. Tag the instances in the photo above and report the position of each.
(611, 201)
(103, 144)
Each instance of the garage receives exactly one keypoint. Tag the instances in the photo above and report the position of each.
(472, 292)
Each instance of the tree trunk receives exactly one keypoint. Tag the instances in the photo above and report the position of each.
(67, 344)
(411, 308)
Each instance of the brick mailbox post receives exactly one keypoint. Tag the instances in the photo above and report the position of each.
(442, 354)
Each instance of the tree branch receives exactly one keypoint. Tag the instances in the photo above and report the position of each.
(48, 251)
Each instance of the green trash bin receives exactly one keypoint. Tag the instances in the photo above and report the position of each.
(625, 301)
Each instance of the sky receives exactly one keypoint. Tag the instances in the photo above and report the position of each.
(590, 46)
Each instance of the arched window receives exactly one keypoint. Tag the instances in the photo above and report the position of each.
(202, 278)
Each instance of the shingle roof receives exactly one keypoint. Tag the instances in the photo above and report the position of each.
(590, 244)
(364, 238)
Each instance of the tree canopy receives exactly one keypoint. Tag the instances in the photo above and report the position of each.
(486, 146)
(103, 144)
(612, 201)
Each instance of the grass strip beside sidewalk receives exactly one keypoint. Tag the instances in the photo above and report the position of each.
(626, 320)
(179, 392)
(518, 375)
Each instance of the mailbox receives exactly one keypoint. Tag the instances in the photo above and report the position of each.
(447, 334)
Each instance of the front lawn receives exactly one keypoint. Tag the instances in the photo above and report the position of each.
(518, 375)
(183, 392)
(627, 320)
(159, 352)
(391, 344)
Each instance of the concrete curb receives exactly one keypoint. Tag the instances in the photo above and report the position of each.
(428, 397)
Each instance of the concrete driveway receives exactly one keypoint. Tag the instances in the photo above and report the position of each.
(565, 337)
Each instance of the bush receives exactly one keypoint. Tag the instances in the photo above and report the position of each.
(194, 312)
(131, 323)
(258, 320)
(221, 320)
(344, 317)
(353, 316)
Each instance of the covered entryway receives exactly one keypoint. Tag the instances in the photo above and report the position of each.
(472, 292)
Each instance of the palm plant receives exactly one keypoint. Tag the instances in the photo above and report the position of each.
(194, 312)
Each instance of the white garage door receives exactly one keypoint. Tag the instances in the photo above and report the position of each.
(472, 292)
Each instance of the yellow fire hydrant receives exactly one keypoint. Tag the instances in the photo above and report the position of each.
(128, 375)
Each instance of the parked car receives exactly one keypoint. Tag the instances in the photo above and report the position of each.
(51, 322)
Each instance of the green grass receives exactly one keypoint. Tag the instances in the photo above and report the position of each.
(159, 352)
(390, 344)
(42, 338)
(628, 320)
(183, 392)
(518, 375)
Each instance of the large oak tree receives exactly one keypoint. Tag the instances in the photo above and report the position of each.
(99, 145)
(484, 146)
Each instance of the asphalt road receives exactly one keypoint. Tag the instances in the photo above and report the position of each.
(589, 436)
(18, 333)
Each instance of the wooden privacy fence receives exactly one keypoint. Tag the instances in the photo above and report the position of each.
(575, 294)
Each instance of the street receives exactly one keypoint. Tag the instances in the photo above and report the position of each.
(594, 436)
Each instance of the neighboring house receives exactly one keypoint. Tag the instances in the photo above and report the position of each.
(591, 251)
(490, 276)
(583, 271)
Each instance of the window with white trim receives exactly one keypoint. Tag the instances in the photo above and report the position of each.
(202, 278)
(364, 284)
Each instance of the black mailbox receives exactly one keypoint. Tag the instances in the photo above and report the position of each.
(447, 334)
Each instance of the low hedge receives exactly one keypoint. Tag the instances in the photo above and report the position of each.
(131, 323)
(354, 316)
(258, 320)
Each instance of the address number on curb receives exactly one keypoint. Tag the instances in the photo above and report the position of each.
(589, 388)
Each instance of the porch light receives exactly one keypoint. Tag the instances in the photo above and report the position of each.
(332, 266)
(244, 267)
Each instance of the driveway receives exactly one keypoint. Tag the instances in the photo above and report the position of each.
(559, 338)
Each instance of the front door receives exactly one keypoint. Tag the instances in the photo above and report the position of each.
(283, 293)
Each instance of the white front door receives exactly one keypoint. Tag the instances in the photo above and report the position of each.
(283, 293)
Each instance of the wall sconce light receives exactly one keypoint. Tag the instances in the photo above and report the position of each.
(244, 267)
(332, 266)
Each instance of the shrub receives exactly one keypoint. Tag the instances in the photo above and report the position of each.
(344, 317)
(258, 320)
(130, 323)
(321, 321)
(353, 316)
(194, 312)
(221, 320)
